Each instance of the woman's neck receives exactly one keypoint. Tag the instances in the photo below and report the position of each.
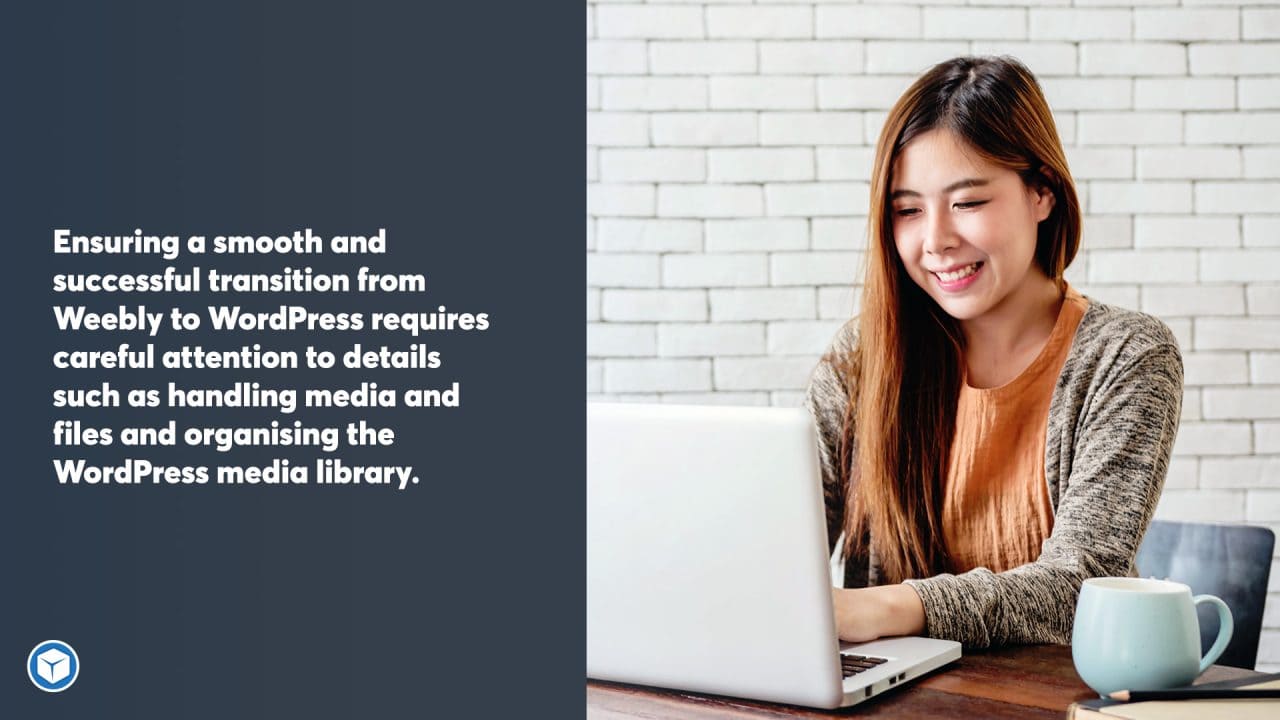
(1001, 343)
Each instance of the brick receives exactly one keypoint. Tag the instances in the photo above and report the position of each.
(1252, 403)
(1263, 299)
(615, 129)
(1141, 266)
(1264, 368)
(746, 399)
(774, 92)
(715, 270)
(1233, 128)
(710, 201)
(1130, 128)
(839, 303)
(1234, 58)
(1140, 58)
(1235, 197)
(1125, 296)
(593, 164)
(1244, 472)
(616, 57)
(647, 235)
(1188, 231)
(710, 339)
(1213, 438)
(1184, 473)
(653, 165)
(1164, 197)
(845, 163)
(1100, 163)
(816, 199)
(810, 58)
(870, 92)
(701, 58)
(622, 270)
(1189, 163)
(975, 23)
(859, 22)
(815, 268)
(593, 92)
(768, 373)
(1239, 266)
(704, 129)
(591, 22)
(757, 235)
(1054, 24)
(1190, 404)
(1198, 300)
(1045, 59)
(1088, 93)
(761, 164)
(1066, 124)
(887, 57)
(1259, 93)
(760, 22)
(654, 305)
(593, 304)
(631, 200)
(1266, 439)
(1165, 24)
(762, 304)
(1261, 24)
(591, 233)
(621, 340)
(1107, 231)
(1262, 162)
(839, 233)
(1201, 506)
(653, 375)
(649, 93)
(809, 338)
(1261, 231)
(1237, 334)
(1184, 93)
(825, 128)
(595, 376)
(1078, 272)
(1263, 506)
(648, 21)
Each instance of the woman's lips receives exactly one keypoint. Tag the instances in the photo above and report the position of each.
(959, 279)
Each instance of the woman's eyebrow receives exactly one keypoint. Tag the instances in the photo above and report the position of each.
(957, 185)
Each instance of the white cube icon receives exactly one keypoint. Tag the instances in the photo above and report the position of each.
(53, 665)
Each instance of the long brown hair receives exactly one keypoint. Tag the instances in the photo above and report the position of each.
(905, 372)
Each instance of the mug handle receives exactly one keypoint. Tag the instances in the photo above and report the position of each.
(1225, 627)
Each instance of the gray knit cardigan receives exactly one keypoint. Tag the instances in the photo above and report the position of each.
(1112, 422)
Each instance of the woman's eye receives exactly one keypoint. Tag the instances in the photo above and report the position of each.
(972, 204)
(905, 212)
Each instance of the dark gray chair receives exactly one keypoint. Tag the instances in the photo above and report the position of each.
(1230, 561)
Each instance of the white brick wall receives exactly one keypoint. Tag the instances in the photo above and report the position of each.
(729, 146)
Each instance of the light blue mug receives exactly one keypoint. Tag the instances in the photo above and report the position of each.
(1141, 634)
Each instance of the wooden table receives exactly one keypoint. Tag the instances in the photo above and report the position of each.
(1035, 681)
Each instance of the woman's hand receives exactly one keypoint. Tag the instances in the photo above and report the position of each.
(864, 614)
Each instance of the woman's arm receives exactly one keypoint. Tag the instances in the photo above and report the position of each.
(1117, 463)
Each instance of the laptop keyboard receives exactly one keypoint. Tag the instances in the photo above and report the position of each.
(854, 664)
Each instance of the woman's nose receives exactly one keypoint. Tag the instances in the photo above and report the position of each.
(939, 233)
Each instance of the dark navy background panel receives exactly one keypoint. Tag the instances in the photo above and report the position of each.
(456, 126)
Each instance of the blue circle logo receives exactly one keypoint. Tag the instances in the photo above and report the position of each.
(53, 666)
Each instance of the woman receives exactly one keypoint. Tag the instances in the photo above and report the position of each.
(989, 437)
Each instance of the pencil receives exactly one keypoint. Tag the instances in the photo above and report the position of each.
(1192, 693)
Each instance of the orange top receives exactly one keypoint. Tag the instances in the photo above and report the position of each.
(995, 509)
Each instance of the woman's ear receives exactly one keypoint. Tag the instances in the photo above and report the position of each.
(1042, 186)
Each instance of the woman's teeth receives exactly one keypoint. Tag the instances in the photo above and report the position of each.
(963, 272)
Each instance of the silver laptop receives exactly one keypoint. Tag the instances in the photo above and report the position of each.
(707, 567)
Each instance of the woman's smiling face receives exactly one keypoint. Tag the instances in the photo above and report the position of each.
(964, 228)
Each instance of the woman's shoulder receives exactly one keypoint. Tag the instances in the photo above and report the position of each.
(1110, 336)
